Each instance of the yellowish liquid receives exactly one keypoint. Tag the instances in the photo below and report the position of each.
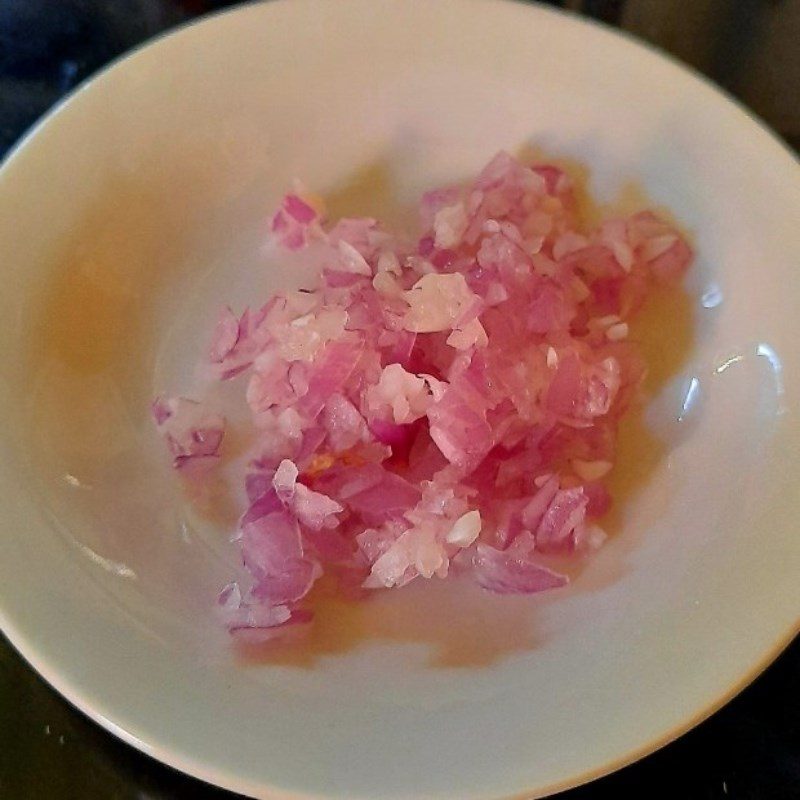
(663, 331)
(91, 342)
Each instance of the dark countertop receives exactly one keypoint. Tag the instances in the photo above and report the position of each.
(750, 750)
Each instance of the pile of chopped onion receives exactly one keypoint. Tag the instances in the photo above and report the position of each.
(447, 406)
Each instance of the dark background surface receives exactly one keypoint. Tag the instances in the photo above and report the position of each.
(750, 750)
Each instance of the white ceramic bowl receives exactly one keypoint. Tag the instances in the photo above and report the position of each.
(138, 206)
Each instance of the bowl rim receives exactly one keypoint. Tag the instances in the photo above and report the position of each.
(185, 763)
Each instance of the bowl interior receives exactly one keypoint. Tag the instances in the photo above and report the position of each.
(140, 207)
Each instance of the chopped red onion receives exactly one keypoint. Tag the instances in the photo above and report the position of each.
(456, 397)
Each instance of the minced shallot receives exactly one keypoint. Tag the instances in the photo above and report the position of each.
(447, 406)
